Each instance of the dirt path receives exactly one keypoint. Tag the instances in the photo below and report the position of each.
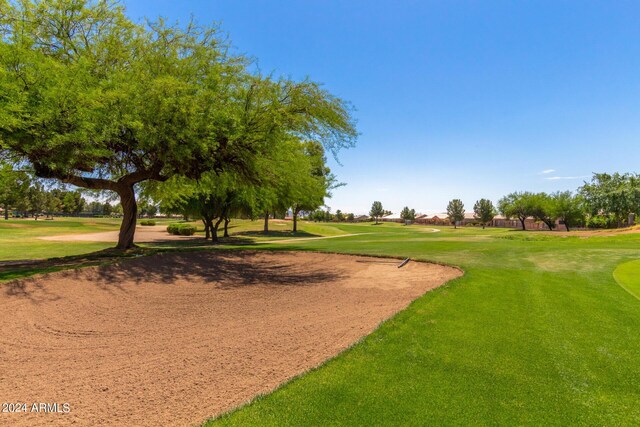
(144, 234)
(173, 339)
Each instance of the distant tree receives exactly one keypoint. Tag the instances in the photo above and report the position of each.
(146, 207)
(350, 217)
(339, 216)
(408, 214)
(568, 208)
(317, 215)
(117, 210)
(455, 212)
(13, 187)
(52, 202)
(517, 205)
(37, 199)
(95, 208)
(542, 209)
(72, 202)
(311, 176)
(376, 211)
(612, 194)
(484, 211)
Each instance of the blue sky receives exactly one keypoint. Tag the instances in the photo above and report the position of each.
(454, 99)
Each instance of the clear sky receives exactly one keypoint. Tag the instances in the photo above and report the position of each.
(454, 99)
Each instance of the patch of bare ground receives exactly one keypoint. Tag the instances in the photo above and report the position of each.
(173, 339)
(144, 234)
(595, 233)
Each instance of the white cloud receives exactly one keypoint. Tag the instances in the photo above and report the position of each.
(557, 178)
(547, 171)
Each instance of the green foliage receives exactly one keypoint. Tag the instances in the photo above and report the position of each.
(484, 211)
(455, 211)
(542, 209)
(612, 194)
(601, 221)
(569, 209)
(92, 99)
(517, 205)
(408, 214)
(147, 222)
(14, 185)
(320, 215)
(181, 229)
(376, 211)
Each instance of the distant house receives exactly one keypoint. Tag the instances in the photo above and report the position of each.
(392, 218)
(432, 219)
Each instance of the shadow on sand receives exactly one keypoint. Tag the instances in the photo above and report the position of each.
(223, 269)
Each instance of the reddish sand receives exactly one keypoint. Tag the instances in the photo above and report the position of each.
(174, 339)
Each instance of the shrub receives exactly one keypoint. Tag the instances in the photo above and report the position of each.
(147, 222)
(601, 221)
(181, 229)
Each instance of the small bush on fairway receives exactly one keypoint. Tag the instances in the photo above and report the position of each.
(181, 229)
(147, 222)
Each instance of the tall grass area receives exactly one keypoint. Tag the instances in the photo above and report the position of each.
(536, 332)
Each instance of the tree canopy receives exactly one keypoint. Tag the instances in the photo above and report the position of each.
(455, 212)
(484, 211)
(376, 211)
(92, 99)
(408, 214)
(517, 205)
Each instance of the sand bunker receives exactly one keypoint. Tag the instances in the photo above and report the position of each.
(174, 339)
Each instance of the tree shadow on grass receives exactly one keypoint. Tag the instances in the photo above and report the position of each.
(276, 233)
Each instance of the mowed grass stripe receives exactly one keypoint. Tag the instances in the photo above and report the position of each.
(536, 332)
(628, 276)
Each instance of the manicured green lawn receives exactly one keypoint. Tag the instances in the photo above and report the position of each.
(628, 276)
(538, 331)
(19, 238)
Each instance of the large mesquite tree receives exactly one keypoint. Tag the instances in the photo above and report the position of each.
(91, 99)
(518, 205)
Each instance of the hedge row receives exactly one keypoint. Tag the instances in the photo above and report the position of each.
(147, 222)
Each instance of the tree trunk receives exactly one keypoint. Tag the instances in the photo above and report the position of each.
(483, 226)
(6, 212)
(207, 230)
(266, 222)
(295, 222)
(566, 225)
(212, 234)
(214, 230)
(130, 214)
(226, 227)
(524, 228)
